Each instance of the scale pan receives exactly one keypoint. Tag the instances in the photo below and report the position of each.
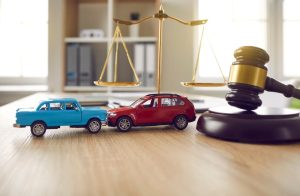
(198, 84)
(121, 84)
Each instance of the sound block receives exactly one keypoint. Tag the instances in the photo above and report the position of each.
(264, 125)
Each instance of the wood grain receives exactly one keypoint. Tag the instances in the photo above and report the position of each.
(144, 161)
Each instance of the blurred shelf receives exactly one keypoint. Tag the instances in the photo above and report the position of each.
(104, 89)
(105, 39)
(23, 88)
(134, 89)
(86, 40)
(84, 88)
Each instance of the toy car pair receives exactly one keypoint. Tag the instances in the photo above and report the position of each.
(150, 110)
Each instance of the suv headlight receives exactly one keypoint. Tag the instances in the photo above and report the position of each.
(111, 114)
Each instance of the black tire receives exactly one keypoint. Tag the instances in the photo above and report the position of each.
(124, 123)
(38, 128)
(94, 125)
(180, 122)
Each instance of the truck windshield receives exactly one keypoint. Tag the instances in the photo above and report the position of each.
(38, 106)
(136, 103)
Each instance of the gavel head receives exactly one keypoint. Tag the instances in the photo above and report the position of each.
(247, 77)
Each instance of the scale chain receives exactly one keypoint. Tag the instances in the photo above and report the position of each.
(106, 60)
(216, 59)
(128, 56)
(118, 34)
(116, 59)
(198, 56)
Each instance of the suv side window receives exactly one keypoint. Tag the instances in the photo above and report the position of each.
(177, 102)
(166, 102)
(150, 103)
(147, 104)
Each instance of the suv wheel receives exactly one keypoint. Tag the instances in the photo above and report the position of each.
(180, 122)
(38, 128)
(124, 123)
(94, 126)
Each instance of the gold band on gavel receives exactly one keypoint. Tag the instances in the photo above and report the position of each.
(248, 74)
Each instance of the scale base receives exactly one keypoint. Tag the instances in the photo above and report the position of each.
(264, 125)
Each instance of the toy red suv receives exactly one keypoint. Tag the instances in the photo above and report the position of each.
(154, 109)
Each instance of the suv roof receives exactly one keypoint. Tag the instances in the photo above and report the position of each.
(164, 94)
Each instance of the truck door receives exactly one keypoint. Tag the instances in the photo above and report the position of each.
(71, 113)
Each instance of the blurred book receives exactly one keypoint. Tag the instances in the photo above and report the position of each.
(139, 61)
(145, 61)
(85, 65)
(150, 65)
(72, 64)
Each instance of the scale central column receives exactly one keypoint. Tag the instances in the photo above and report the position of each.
(159, 53)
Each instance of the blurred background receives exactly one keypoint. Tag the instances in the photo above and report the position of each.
(61, 45)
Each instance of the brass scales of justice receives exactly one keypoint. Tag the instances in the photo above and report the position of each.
(161, 16)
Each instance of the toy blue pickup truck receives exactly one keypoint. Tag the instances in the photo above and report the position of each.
(53, 113)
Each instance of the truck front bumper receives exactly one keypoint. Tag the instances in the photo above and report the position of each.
(18, 126)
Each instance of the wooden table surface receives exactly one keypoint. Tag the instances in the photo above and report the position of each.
(144, 161)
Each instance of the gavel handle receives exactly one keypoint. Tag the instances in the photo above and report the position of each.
(289, 90)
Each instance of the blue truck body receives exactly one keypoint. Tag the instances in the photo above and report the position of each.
(54, 113)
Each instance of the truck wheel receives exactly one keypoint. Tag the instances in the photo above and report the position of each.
(124, 123)
(180, 122)
(38, 128)
(94, 125)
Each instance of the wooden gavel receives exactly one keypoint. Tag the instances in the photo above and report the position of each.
(248, 78)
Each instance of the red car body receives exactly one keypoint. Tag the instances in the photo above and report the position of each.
(155, 109)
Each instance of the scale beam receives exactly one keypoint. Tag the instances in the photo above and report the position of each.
(130, 22)
(189, 23)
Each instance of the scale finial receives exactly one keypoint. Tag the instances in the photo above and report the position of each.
(161, 12)
(161, 9)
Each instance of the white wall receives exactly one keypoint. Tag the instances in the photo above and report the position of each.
(178, 46)
(56, 52)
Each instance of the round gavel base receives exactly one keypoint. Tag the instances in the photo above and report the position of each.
(264, 125)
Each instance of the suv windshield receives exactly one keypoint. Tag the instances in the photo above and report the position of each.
(136, 103)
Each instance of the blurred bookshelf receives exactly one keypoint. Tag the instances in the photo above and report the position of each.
(85, 56)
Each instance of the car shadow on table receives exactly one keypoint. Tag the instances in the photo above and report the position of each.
(76, 133)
